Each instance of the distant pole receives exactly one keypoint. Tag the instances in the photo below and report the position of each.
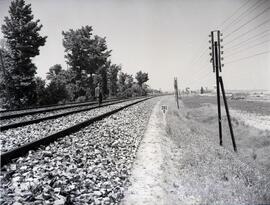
(176, 92)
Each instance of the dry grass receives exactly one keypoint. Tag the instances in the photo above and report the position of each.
(208, 173)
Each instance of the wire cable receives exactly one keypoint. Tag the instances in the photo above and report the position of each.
(250, 30)
(247, 57)
(239, 8)
(239, 18)
(253, 46)
(251, 38)
(237, 29)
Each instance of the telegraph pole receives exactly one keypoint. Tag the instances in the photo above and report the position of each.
(176, 92)
(216, 62)
(216, 68)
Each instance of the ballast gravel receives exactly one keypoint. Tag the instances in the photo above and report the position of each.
(46, 114)
(13, 138)
(91, 166)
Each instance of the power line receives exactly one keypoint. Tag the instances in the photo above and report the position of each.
(250, 30)
(247, 22)
(247, 57)
(253, 37)
(238, 19)
(268, 40)
(234, 13)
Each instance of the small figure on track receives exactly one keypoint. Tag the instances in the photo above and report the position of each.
(98, 94)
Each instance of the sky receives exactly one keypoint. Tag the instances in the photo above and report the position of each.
(166, 39)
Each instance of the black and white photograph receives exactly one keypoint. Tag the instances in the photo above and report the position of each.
(135, 102)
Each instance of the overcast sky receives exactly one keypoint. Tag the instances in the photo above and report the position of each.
(167, 39)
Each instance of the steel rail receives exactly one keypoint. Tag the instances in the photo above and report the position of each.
(21, 151)
(29, 122)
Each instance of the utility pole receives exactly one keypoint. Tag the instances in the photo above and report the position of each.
(176, 91)
(216, 68)
(216, 63)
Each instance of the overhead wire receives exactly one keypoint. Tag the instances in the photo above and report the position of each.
(235, 12)
(240, 17)
(247, 32)
(251, 38)
(248, 48)
(244, 24)
(247, 57)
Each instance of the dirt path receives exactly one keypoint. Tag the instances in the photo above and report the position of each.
(150, 181)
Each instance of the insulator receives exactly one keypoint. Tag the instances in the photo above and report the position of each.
(221, 40)
(210, 48)
(221, 46)
(211, 60)
(222, 58)
(210, 54)
(210, 41)
(221, 52)
(221, 34)
(222, 65)
(209, 35)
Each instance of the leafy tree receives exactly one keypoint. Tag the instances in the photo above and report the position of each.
(122, 82)
(6, 82)
(141, 78)
(54, 71)
(24, 40)
(41, 91)
(85, 54)
(113, 79)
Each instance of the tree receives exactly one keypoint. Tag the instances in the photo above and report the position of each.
(113, 78)
(86, 54)
(54, 71)
(141, 78)
(24, 40)
(41, 91)
(122, 82)
(6, 83)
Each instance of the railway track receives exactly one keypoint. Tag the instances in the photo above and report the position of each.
(57, 115)
(6, 157)
(4, 115)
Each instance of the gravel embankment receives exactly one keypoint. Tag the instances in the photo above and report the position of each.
(17, 137)
(45, 114)
(91, 166)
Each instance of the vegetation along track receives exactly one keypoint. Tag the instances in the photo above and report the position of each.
(27, 120)
(20, 151)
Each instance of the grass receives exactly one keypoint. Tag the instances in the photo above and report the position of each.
(258, 107)
(208, 173)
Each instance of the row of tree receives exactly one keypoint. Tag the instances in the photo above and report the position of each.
(87, 56)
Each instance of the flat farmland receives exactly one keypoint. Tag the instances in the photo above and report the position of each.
(251, 125)
(257, 107)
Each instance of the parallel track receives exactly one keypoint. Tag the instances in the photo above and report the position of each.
(21, 151)
(47, 109)
(28, 122)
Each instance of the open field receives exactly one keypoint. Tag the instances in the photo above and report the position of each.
(250, 121)
(258, 107)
